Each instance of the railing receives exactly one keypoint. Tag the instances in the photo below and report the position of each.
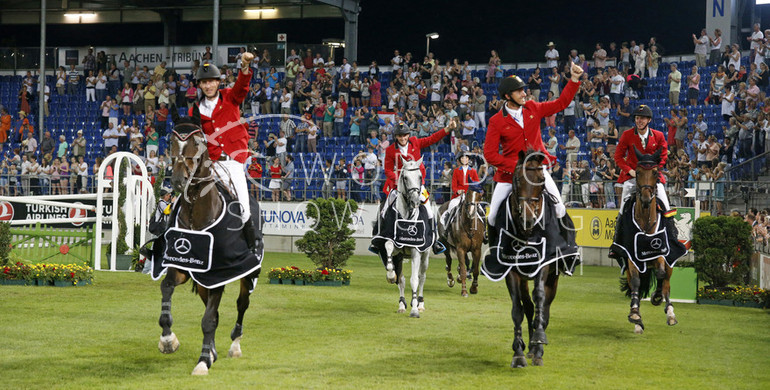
(753, 170)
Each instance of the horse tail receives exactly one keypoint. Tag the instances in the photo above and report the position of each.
(646, 283)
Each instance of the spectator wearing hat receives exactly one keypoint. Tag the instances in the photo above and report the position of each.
(79, 145)
(551, 56)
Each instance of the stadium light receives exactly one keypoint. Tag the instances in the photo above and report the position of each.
(258, 10)
(78, 17)
(428, 37)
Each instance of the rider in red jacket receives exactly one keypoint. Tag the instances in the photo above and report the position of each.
(646, 141)
(226, 136)
(462, 177)
(516, 128)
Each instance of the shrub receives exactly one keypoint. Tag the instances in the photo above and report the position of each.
(723, 249)
(329, 244)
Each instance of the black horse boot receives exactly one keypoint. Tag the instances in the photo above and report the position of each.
(250, 235)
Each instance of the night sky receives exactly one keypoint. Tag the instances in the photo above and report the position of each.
(518, 30)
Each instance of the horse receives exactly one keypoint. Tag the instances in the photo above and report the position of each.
(534, 244)
(200, 205)
(645, 215)
(464, 234)
(408, 210)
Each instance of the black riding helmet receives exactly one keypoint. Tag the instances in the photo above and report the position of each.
(401, 129)
(642, 110)
(208, 71)
(510, 84)
(461, 155)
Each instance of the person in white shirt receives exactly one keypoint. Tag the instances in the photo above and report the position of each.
(90, 87)
(756, 39)
(616, 88)
(716, 47)
(469, 129)
(572, 147)
(111, 136)
(640, 61)
(701, 47)
(280, 147)
(699, 126)
(552, 56)
(396, 61)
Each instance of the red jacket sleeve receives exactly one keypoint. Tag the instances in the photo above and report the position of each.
(430, 140)
(621, 150)
(457, 180)
(241, 88)
(549, 108)
(390, 163)
(492, 149)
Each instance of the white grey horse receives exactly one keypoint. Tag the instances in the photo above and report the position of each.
(407, 204)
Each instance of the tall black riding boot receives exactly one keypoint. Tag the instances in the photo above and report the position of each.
(438, 246)
(494, 242)
(614, 254)
(250, 235)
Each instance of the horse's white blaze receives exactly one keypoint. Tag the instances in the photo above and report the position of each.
(235, 349)
(200, 369)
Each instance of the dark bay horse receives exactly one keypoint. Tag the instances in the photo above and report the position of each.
(637, 284)
(534, 243)
(199, 205)
(464, 235)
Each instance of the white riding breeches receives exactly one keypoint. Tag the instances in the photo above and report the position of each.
(232, 175)
(452, 205)
(628, 187)
(502, 190)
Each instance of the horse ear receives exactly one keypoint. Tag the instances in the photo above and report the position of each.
(638, 154)
(403, 160)
(656, 155)
(174, 113)
(196, 114)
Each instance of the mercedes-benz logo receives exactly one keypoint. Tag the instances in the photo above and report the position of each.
(182, 246)
(656, 243)
(412, 230)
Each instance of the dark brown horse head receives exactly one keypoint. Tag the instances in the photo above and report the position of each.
(188, 151)
(528, 185)
(646, 176)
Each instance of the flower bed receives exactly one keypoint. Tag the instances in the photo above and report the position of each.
(43, 274)
(746, 296)
(316, 277)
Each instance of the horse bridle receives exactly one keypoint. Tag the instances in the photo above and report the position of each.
(516, 184)
(654, 187)
(472, 228)
(182, 139)
(409, 191)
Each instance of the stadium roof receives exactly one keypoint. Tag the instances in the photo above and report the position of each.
(143, 11)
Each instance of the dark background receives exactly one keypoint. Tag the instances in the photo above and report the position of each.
(518, 30)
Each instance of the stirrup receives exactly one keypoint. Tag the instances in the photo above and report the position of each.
(438, 248)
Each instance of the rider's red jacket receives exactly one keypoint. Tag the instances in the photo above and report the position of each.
(461, 180)
(505, 132)
(392, 163)
(625, 158)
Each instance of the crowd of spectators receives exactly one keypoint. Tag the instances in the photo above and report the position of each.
(362, 104)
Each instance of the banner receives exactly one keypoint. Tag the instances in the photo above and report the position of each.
(595, 227)
(16, 211)
(290, 219)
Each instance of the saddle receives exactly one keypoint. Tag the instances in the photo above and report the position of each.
(213, 256)
(547, 243)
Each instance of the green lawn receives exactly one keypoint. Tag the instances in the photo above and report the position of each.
(106, 336)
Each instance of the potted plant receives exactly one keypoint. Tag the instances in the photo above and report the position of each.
(66, 275)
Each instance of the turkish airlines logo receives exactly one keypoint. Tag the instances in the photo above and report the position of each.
(77, 213)
(6, 211)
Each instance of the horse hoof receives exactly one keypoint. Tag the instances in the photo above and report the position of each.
(671, 321)
(168, 344)
(530, 355)
(656, 299)
(474, 290)
(464, 294)
(235, 349)
(634, 318)
(201, 369)
(450, 282)
(414, 314)
(519, 361)
(538, 361)
(391, 276)
(421, 307)
(401, 311)
(638, 329)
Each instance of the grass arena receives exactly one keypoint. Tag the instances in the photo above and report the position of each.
(105, 336)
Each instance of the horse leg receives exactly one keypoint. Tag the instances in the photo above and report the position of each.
(538, 297)
(529, 312)
(513, 282)
(450, 281)
(634, 317)
(391, 273)
(247, 286)
(209, 326)
(168, 341)
(467, 265)
(414, 282)
(476, 262)
(660, 275)
(424, 261)
(551, 284)
(401, 299)
(670, 316)
(462, 273)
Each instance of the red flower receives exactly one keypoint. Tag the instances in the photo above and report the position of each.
(293, 267)
(72, 274)
(6, 270)
(325, 272)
